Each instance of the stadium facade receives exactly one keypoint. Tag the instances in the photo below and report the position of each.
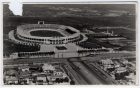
(47, 33)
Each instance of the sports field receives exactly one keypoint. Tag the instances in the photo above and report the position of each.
(46, 33)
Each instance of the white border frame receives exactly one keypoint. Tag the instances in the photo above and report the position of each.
(73, 2)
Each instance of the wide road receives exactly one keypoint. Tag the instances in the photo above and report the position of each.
(32, 60)
(96, 70)
(89, 58)
(109, 56)
(75, 76)
(90, 77)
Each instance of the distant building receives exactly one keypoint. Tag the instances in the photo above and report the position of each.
(24, 68)
(11, 80)
(47, 67)
(41, 78)
(121, 69)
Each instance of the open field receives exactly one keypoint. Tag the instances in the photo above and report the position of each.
(46, 33)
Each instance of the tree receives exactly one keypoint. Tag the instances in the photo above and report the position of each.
(57, 80)
(66, 79)
(72, 82)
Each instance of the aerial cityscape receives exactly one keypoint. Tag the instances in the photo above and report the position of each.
(70, 44)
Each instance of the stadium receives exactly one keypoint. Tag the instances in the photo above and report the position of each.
(47, 33)
(53, 40)
(46, 40)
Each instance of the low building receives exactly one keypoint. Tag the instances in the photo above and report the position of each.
(47, 67)
(107, 64)
(11, 80)
(121, 70)
(24, 68)
(42, 78)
